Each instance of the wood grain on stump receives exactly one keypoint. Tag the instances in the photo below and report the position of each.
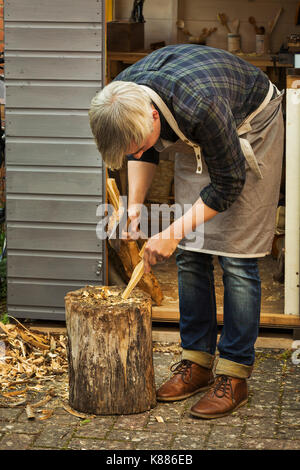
(110, 351)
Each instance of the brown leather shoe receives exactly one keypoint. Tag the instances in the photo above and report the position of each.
(189, 378)
(226, 395)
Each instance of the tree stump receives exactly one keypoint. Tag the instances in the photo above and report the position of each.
(110, 351)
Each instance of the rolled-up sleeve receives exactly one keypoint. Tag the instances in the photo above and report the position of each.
(151, 155)
(215, 130)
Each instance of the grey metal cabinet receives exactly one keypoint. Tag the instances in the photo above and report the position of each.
(55, 178)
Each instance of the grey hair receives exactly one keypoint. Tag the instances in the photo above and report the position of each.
(120, 116)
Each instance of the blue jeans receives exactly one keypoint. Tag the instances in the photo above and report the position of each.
(197, 303)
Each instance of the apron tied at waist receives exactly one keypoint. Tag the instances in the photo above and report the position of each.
(242, 129)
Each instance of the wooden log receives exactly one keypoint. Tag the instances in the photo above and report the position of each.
(109, 351)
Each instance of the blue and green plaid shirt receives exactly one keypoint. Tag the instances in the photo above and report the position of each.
(209, 92)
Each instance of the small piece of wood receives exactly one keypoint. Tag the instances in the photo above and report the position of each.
(136, 275)
(29, 412)
(109, 351)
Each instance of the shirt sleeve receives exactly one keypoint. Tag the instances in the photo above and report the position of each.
(151, 155)
(215, 130)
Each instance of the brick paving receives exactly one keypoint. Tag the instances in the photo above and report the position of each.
(270, 420)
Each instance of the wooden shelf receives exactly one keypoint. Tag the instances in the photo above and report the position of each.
(117, 61)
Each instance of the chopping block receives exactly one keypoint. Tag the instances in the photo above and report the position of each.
(110, 351)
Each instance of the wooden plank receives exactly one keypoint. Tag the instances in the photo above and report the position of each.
(61, 237)
(46, 37)
(171, 314)
(54, 10)
(47, 151)
(53, 66)
(43, 124)
(67, 181)
(273, 319)
(38, 293)
(166, 313)
(52, 209)
(45, 266)
(54, 328)
(57, 95)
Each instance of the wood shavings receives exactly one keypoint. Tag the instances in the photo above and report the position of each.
(94, 296)
(159, 419)
(27, 362)
(76, 413)
(28, 357)
(46, 414)
(29, 412)
(15, 404)
(174, 348)
(14, 393)
(42, 402)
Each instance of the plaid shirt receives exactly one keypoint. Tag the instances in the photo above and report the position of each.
(209, 92)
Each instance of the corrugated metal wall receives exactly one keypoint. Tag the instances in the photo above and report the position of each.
(54, 65)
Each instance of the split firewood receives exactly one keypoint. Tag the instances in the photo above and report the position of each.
(128, 250)
(136, 275)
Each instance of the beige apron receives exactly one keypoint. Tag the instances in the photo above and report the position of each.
(246, 229)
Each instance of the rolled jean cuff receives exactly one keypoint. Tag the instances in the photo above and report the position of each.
(233, 369)
(201, 358)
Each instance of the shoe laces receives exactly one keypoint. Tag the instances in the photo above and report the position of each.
(223, 387)
(183, 367)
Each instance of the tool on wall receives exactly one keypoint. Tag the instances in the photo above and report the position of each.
(224, 21)
(252, 21)
(236, 26)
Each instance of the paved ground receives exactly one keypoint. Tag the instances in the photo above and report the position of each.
(271, 420)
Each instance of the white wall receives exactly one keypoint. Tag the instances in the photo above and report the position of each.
(161, 16)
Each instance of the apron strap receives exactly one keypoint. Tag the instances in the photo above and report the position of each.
(242, 129)
(173, 124)
(245, 126)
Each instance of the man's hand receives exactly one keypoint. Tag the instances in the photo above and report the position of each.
(132, 231)
(158, 249)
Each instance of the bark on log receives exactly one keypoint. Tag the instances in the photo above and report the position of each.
(110, 351)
